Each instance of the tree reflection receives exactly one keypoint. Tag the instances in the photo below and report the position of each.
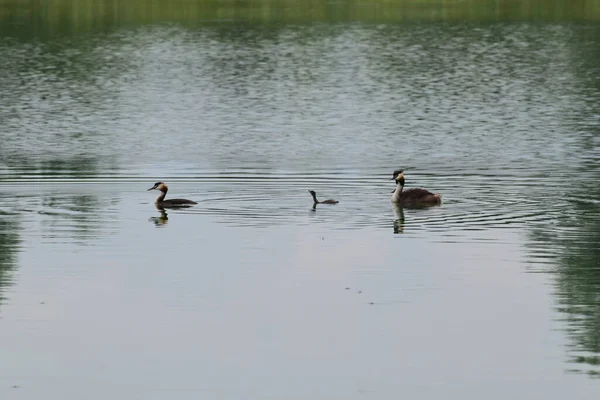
(76, 212)
(9, 246)
(79, 217)
(578, 241)
(572, 245)
(67, 17)
(572, 248)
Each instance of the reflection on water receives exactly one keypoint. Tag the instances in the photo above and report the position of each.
(77, 218)
(9, 248)
(569, 249)
(399, 221)
(63, 17)
(65, 208)
(162, 220)
(501, 119)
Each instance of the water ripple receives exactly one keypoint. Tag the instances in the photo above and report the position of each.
(256, 198)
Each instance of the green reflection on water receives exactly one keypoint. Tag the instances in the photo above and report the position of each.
(80, 218)
(578, 255)
(578, 285)
(18, 17)
(9, 245)
(570, 249)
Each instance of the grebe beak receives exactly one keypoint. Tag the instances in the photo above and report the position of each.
(153, 187)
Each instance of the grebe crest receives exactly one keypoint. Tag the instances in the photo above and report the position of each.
(170, 203)
(414, 196)
(314, 196)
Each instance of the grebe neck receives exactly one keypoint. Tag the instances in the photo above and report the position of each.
(314, 196)
(161, 198)
(397, 192)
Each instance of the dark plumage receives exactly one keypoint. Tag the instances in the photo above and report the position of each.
(314, 195)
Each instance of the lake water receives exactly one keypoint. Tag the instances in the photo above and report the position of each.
(252, 293)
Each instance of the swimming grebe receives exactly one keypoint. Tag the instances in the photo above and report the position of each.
(415, 196)
(314, 195)
(162, 203)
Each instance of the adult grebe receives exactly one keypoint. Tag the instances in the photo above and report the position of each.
(171, 203)
(415, 196)
(314, 195)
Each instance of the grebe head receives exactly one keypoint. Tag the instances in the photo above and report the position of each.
(312, 192)
(398, 176)
(159, 186)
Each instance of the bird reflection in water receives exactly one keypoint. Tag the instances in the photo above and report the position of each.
(162, 220)
(399, 221)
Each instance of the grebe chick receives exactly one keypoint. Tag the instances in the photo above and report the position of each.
(314, 195)
(171, 203)
(414, 196)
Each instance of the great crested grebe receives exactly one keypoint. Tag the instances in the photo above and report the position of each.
(415, 196)
(162, 203)
(314, 195)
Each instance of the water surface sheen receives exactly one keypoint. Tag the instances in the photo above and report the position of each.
(254, 294)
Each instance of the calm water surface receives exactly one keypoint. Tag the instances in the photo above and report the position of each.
(251, 293)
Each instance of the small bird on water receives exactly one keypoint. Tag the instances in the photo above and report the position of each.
(314, 196)
(414, 196)
(171, 203)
